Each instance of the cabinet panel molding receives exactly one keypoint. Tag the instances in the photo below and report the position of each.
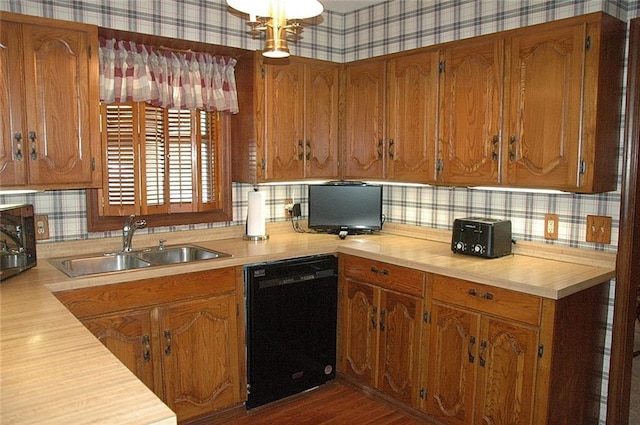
(53, 102)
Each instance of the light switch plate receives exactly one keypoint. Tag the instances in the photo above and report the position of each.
(599, 229)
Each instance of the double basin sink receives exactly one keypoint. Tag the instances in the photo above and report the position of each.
(117, 261)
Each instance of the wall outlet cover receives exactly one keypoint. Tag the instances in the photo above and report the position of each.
(42, 226)
(551, 226)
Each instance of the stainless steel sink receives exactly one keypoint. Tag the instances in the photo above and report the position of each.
(99, 263)
(179, 254)
(112, 262)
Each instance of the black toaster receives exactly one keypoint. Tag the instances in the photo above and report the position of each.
(482, 237)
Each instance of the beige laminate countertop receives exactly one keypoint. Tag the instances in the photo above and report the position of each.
(54, 371)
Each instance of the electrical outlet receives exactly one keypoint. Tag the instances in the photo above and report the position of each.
(42, 226)
(551, 226)
(288, 206)
(598, 229)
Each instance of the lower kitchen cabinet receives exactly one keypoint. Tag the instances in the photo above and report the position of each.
(465, 353)
(128, 336)
(483, 361)
(379, 328)
(496, 356)
(179, 334)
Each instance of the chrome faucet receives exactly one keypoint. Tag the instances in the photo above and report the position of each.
(129, 227)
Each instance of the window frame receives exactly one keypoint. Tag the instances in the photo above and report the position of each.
(99, 223)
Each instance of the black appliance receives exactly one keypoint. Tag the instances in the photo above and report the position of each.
(482, 237)
(291, 326)
(345, 207)
(17, 240)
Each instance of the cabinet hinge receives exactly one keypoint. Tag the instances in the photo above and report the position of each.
(423, 393)
(587, 44)
(583, 166)
(426, 317)
(540, 350)
(441, 67)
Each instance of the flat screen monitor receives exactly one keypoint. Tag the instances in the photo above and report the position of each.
(342, 206)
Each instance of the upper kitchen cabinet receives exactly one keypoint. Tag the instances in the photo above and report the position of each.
(287, 128)
(390, 118)
(471, 112)
(49, 85)
(563, 104)
(534, 107)
(364, 145)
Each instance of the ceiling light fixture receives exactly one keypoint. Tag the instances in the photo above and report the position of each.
(278, 18)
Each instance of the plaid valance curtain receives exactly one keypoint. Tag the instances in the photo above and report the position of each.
(165, 78)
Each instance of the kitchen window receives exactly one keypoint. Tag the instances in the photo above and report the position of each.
(166, 164)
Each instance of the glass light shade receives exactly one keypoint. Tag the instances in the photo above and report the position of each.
(251, 7)
(293, 9)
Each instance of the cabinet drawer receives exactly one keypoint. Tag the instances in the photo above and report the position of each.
(385, 275)
(97, 300)
(488, 299)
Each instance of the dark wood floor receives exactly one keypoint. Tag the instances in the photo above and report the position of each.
(333, 403)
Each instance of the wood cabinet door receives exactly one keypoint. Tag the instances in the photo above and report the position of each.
(12, 147)
(321, 120)
(59, 101)
(359, 332)
(199, 350)
(364, 121)
(411, 115)
(544, 118)
(129, 337)
(399, 327)
(507, 364)
(471, 112)
(451, 371)
(284, 131)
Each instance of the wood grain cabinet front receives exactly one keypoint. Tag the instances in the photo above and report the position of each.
(480, 360)
(533, 107)
(180, 335)
(379, 328)
(49, 83)
(390, 118)
(292, 131)
(492, 355)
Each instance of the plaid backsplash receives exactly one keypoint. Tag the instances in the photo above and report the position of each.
(392, 26)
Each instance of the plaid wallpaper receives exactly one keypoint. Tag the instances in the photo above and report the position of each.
(392, 26)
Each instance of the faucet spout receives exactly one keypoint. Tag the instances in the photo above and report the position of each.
(130, 226)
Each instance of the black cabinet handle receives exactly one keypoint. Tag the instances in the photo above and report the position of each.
(167, 338)
(146, 348)
(472, 342)
(17, 137)
(32, 137)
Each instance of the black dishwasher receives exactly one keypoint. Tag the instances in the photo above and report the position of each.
(291, 326)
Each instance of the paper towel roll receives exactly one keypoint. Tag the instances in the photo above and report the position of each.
(256, 214)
